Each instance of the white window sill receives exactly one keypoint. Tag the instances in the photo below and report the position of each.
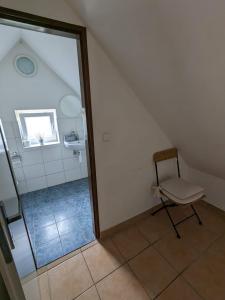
(41, 145)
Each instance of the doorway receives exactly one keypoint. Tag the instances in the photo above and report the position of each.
(49, 145)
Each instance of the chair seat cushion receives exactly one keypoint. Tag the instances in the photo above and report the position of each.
(181, 191)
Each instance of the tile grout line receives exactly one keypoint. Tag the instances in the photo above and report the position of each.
(58, 235)
(49, 286)
(121, 265)
(153, 245)
(167, 286)
(133, 273)
(193, 288)
(125, 263)
(94, 284)
(204, 252)
(180, 273)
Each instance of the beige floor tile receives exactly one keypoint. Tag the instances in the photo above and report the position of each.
(218, 246)
(90, 294)
(179, 252)
(155, 227)
(69, 279)
(180, 212)
(207, 276)
(59, 282)
(130, 242)
(85, 247)
(62, 259)
(32, 290)
(211, 219)
(153, 271)
(121, 285)
(197, 236)
(178, 290)
(44, 286)
(102, 259)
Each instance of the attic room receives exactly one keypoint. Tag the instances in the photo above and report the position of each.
(112, 178)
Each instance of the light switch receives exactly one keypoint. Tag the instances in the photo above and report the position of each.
(106, 136)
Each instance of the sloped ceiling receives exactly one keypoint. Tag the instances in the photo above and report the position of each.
(173, 55)
(59, 53)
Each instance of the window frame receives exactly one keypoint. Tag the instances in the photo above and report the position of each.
(28, 143)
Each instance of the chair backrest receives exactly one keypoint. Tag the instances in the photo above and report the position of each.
(164, 155)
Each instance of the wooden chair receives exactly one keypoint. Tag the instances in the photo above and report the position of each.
(177, 190)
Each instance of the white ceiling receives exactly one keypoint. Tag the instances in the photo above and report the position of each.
(59, 53)
(173, 55)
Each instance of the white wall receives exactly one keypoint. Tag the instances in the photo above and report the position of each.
(124, 164)
(45, 166)
(214, 187)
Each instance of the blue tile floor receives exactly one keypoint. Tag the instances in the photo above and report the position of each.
(58, 219)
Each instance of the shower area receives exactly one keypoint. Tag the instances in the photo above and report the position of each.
(45, 196)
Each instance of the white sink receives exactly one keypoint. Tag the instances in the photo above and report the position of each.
(75, 145)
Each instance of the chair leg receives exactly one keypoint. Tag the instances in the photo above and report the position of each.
(195, 212)
(167, 211)
(163, 207)
(158, 210)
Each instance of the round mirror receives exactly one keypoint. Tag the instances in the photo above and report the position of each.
(70, 106)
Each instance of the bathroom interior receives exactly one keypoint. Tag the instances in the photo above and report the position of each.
(44, 187)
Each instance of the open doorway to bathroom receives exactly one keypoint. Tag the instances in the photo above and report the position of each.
(50, 203)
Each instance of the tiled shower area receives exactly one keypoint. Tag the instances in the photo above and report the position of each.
(58, 219)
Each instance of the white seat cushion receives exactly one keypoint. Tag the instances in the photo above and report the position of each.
(181, 191)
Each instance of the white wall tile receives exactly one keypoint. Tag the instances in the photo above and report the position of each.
(36, 184)
(67, 153)
(19, 145)
(12, 145)
(74, 174)
(51, 153)
(34, 171)
(55, 179)
(16, 129)
(84, 157)
(31, 157)
(53, 167)
(8, 129)
(19, 173)
(17, 163)
(67, 125)
(22, 187)
(44, 166)
(84, 170)
(79, 124)
(81, 134)
(71, 163)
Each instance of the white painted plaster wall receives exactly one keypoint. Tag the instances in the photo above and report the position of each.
(125, 170)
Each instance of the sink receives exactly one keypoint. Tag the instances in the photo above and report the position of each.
(75, 145)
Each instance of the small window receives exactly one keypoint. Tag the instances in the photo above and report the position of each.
(38, 127)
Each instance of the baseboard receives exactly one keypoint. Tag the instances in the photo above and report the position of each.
(216, 209)
(121, 226)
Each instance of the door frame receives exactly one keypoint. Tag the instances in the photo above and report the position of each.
(43, 24)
